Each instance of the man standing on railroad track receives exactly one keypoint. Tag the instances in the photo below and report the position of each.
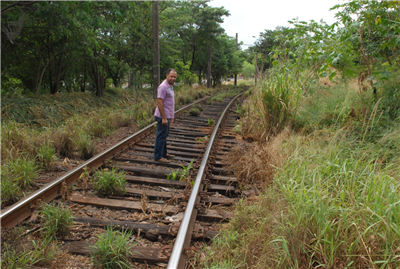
(164, 114)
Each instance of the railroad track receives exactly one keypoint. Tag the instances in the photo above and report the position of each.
(166, 214)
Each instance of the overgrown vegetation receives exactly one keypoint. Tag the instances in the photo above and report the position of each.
(332, 177)
(337, 186)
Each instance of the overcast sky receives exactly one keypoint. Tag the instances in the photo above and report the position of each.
(250, 17)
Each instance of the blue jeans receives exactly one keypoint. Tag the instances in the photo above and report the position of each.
(160, 146)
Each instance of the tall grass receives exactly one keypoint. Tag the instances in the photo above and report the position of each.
(272, 106)
(280, 95)
(335, 201)
(345, 205)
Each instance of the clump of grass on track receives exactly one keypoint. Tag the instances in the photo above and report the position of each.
(112, 250)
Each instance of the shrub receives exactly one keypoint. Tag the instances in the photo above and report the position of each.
(112, 249)
(109, 182)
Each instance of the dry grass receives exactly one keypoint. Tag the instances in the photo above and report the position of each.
(254, 163)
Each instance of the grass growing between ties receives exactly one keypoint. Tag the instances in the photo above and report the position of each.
(333, 198)
(112, 250)
(56, 219)
(181, 174)
(109, 182)
(34, 251)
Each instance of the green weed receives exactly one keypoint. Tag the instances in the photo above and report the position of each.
(112, 250)
(36, 253)
(97, 126)
(21, 170)
(195, 111)
(12, 259)
(86, 146)
(46, 155)
(210, 122)
(109, 182)
(56, 219)
(9, 189)
(181, 174)
(280, 96)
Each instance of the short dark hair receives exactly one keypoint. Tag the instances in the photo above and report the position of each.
(171, 69)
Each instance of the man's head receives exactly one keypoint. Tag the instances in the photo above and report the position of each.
(171, 76)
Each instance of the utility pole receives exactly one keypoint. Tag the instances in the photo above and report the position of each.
(156, 50)
(256, 69)
(209, 68)
(236, 49)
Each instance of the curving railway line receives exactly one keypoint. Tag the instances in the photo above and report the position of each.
(168, 216)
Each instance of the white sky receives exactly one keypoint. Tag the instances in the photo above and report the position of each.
(250, 17)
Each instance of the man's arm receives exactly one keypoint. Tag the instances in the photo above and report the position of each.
(160, 104)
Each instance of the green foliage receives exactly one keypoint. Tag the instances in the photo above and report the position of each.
(248, 70)
(175, 174)
(37, 253)
(326, 107)
(86, 146)
(195, 111)
(64, 143)
(45, 156)
(9, 189)
(210, 122)
(109, 182)
(29, 250)
(11, 87)
(280, 96)
(184, 73)
(21, 170)
(390, 95)
(112, 250)
(12, 259)
(181, 174)
(56, 219)
(85, 53)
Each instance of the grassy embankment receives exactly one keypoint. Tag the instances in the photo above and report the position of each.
(329, 165)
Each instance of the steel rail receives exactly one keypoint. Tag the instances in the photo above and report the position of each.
(21, 210)
(184, 233)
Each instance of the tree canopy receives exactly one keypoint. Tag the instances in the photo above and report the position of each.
(48, 47)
